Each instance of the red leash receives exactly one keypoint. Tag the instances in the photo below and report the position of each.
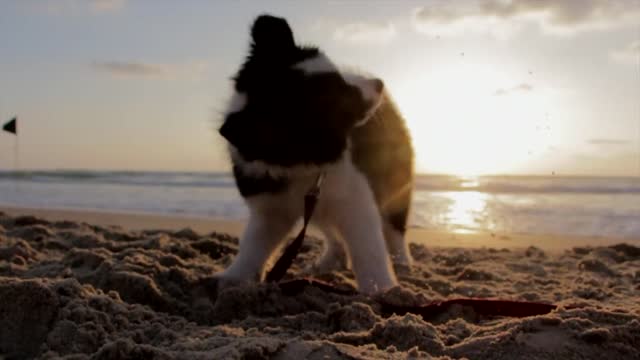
(484, 307)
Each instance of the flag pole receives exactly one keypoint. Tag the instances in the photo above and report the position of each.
(16, 157)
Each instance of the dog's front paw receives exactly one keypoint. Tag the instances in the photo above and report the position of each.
(372, 287)
(402, 259)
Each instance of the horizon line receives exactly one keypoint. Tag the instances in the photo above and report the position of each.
(420, 173)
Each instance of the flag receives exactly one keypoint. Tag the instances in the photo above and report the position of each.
(11, 126)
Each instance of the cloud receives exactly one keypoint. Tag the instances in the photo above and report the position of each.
(521, 88)
(127, 69)
(76, 7)
(608, 142)
(629, 55)
(366, 32)
(551, 16)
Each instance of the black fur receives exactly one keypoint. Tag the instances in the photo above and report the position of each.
(249, 185)
(285, 116)
(291, 118)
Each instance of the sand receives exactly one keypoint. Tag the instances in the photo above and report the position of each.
(80, 290)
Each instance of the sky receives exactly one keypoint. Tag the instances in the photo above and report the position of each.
(487, 87)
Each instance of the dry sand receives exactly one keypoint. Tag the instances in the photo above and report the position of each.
(78, 290)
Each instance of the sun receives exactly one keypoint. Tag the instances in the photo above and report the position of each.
(472, 120)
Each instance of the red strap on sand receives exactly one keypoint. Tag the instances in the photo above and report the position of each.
(483, 307)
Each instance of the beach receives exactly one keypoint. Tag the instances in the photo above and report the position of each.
(143, 143)
(94, 284)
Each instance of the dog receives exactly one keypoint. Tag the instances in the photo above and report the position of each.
(295, 114)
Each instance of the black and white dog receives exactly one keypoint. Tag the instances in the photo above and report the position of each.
(294, 114)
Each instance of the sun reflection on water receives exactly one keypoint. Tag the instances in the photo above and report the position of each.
(466, 211)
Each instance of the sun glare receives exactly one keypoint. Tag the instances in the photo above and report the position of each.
(473, 119)
(465, 211)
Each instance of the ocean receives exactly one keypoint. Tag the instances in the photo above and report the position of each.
(548, 205)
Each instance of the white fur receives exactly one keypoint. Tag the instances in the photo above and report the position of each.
(317, 64)
(346, 205)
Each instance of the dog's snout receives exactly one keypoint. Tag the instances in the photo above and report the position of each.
(378, 85)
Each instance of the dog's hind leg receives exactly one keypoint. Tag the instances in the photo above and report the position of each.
(397, 245)
(395, 221)
(334, 256)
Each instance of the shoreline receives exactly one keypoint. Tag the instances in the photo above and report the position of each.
(434, 238)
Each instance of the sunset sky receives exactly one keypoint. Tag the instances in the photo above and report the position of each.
(521, 86)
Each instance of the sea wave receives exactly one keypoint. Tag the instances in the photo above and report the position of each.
(424, 182)
(531, 184)
(132, 178)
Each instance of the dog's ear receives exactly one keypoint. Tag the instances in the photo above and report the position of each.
(236, 128)
(271, 34)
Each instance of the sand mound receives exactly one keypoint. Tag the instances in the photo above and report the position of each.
(81, 291)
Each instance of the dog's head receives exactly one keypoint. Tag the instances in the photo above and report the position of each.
(292, 105)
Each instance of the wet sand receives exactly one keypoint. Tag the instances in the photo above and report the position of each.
(431, 238)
